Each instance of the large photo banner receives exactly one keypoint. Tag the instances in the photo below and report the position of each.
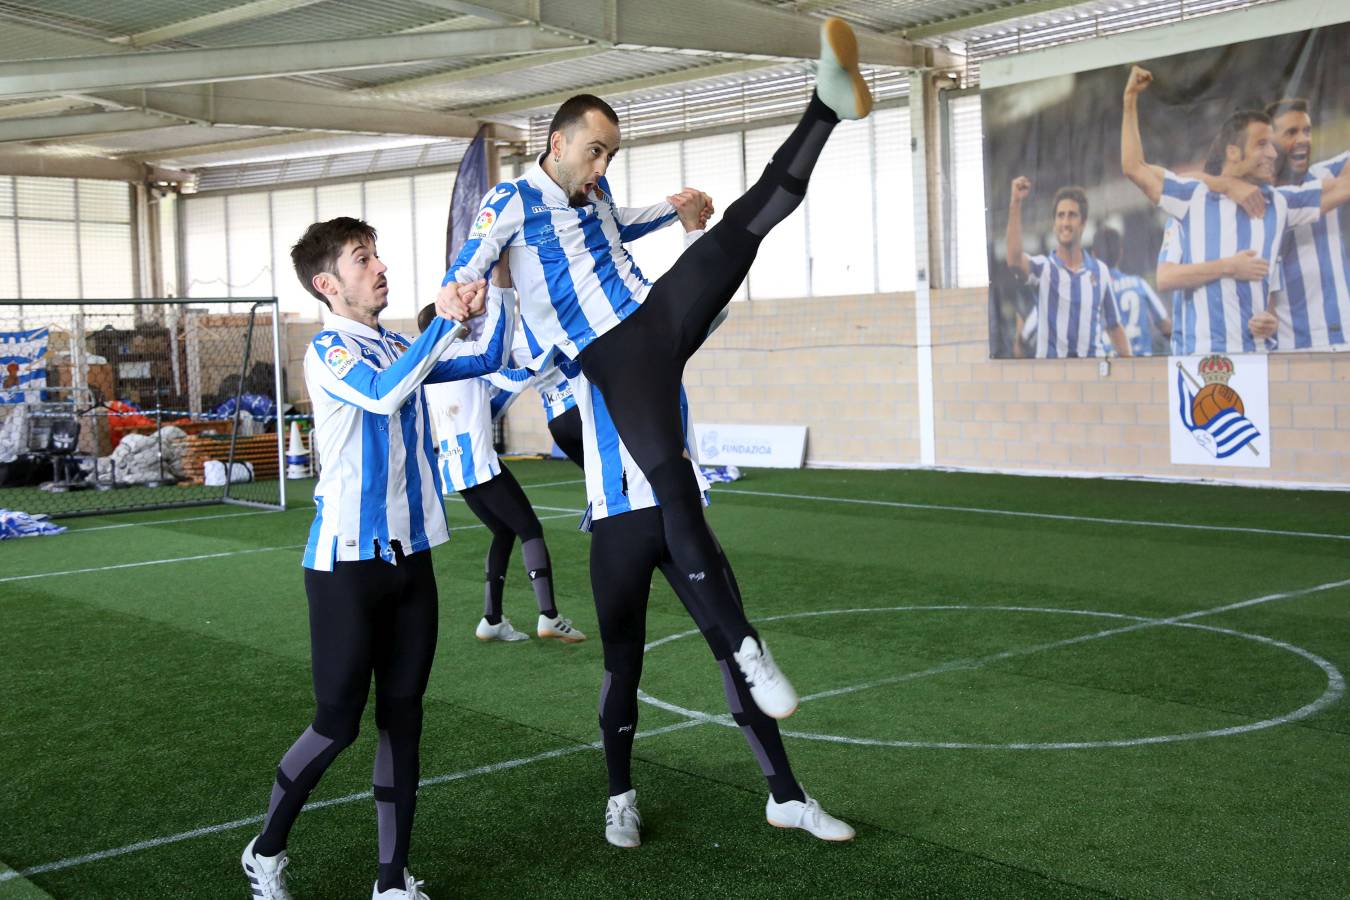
(1181, 205)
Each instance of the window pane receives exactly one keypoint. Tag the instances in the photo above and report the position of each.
(107, 260)
(654, 174)
(972, 261)
(250, 246)
(339, 200)
(780, 268)
(9, 274)
(894, 188)
(45, 198)
(842, 237)
(713, 165)
(6, 196)
(104, 201)
(389, 210)
(431, 194)
(47, 258)
(292, 213)
(205, 251)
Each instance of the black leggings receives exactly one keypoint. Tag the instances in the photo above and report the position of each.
(365, 618)
(502, 506)
(625, 551)
(639, 364)
(566, 432)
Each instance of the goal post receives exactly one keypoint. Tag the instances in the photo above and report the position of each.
(116, 405)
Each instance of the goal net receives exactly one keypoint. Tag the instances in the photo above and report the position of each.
(115, 405)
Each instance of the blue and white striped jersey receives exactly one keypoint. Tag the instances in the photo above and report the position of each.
(614, 483)
(378, 482)
(1073, 306)
(462, 413)
(461, 418)
(1183, 313)
(1140, 312)
(575, 277)
(1212, 228)
(1316, 312)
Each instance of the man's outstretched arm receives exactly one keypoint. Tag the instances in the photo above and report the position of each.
(1017, 259)
(1148, 178)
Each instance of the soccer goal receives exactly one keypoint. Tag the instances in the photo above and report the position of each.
(113, 405)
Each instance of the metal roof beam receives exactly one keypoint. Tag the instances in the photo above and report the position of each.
(282, 104)
(23, 161)
(43, 77)
(243, 12)
(49, 128)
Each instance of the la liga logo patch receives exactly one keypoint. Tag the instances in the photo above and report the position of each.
(483, 224)
(339, 359)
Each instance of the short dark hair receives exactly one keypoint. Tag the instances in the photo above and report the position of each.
(1233, 133)
(321, 245)
(574, 109)
(1106, 246)
(1284, 105)
(1074, 193)
(425, 316)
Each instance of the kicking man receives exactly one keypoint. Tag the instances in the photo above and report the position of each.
(581, 292)
(367, 564)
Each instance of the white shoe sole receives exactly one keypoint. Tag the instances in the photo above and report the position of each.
(554, 636)
(819, 837)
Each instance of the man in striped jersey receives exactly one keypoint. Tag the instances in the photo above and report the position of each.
(1141, 311)
(582, 293)
(367, 564)
(628, 546)
(1315, 312)
(1075, 303)
(462, 417)
(1227, 254)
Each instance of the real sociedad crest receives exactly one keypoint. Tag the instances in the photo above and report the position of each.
(1212, 413)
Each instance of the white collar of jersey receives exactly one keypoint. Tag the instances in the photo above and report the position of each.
(546, 185)
(334, 322)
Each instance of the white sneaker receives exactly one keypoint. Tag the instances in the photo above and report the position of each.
(769, 687)
(623, 825)
(839, 84)
(266, 874)
(559, 628)
(808, 817)
(411, 890)
(502, 631)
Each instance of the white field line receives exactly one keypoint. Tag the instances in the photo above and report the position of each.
(223, 554)
(491, 768)
(1139, 523)
(233, 515)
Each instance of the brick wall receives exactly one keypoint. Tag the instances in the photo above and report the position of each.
(845, 368)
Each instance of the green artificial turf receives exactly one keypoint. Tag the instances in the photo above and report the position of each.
(1032, 687)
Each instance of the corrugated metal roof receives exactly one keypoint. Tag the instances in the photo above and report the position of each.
(329, 20)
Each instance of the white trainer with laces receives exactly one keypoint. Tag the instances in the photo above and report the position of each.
(266, 874)
(769, 687)
(411, 890)
(560, 629)
(623, 825)
(502, 631)
(809, 817)
(839, 83)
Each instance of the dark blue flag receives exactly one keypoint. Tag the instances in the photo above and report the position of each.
(471, 183)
